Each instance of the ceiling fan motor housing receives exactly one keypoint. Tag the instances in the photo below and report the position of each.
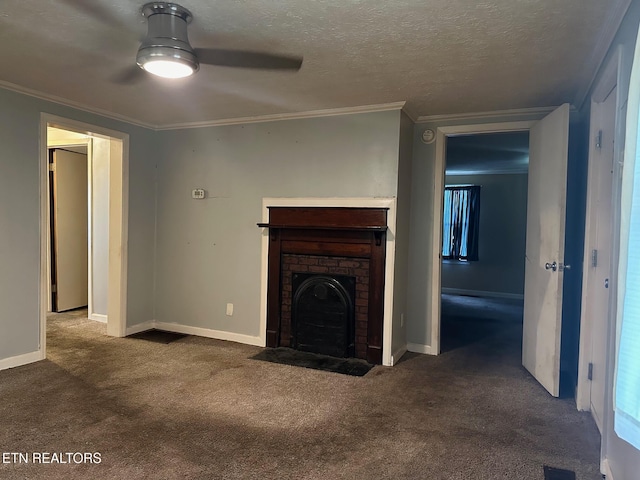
(167, 35)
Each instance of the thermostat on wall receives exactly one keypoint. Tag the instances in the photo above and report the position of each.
(198, 193)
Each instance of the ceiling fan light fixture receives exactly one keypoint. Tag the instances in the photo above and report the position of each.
(168, 69)
(167, 62)
(166, 51)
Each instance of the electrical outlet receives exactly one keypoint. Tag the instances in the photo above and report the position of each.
(229, 309)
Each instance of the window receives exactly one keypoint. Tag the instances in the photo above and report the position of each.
(627, 374)
(461, 221)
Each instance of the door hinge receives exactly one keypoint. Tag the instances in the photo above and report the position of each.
(594, 258)
(599, 139)
(590, 372)
(52, 167)
(54, 289)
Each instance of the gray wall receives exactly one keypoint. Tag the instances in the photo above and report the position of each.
(503, 231)
(100, 224)
(20, 218)
(209, 251)
(400, 305)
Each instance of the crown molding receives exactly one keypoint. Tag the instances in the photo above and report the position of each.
(331, 112)
(520, 112)
(383, 107)
(591, 68)
(411, 117)
(211, 123)
(70, 103)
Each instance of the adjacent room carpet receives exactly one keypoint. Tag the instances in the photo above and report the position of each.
(199, 408)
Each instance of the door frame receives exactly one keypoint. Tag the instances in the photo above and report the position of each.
(442, 133)
(609, 80)
(118, 221)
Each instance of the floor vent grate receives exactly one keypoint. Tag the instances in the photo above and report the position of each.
(158, 336)
(551, 473)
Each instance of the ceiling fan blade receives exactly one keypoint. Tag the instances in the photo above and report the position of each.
(129, 75)
(247, 59)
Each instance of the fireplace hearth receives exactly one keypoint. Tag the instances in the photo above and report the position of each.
(325, 290)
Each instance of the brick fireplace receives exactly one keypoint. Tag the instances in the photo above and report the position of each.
(337, 255)
(330, 268)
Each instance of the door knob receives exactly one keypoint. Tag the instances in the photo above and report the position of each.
(551, 266)
(564, 267)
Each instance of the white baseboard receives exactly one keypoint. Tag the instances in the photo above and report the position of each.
(419, 348)
(605, 469)
(397, 355)
(20, 360)
(482, 294)
(98, 317)
(208, 333)
(198, 331)
(140, 327)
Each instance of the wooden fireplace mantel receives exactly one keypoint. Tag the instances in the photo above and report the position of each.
(328, 218)
(371, 228)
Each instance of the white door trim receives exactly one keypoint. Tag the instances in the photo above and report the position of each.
(118, 221)
(608, 81)
(91, 221)
(438, 193)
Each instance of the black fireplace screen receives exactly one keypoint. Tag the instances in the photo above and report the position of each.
(323, 317)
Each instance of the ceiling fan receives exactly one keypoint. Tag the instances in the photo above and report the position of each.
(166, 50)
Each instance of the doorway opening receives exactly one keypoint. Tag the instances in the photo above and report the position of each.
(483, 246)
(70, 218)
(84, 204)
(545, 268)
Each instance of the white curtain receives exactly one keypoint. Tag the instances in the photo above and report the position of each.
(627, 375)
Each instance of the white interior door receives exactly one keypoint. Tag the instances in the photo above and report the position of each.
(70, 230)
(546, 206)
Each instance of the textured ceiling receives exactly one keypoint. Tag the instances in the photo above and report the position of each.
(440, 56)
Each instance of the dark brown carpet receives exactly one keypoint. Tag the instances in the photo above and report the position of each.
(202, 409)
